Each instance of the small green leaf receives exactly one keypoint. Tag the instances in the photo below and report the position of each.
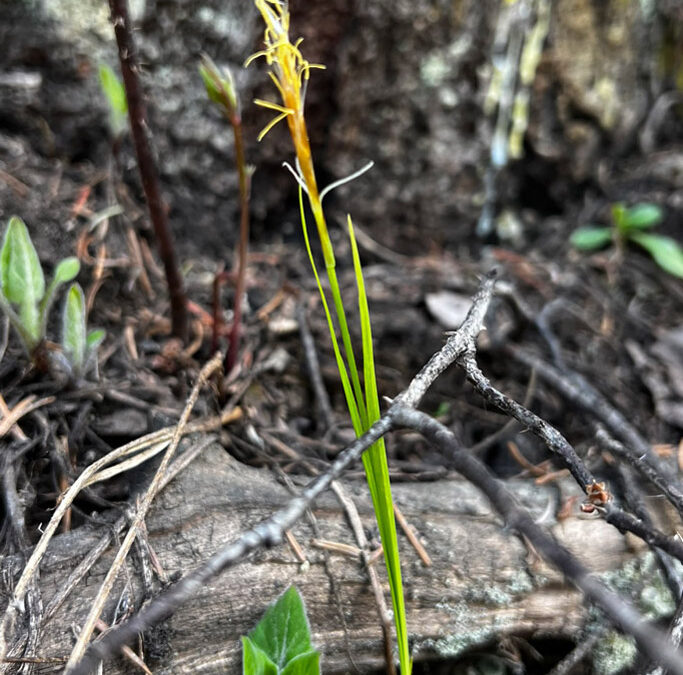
(304, 664)
(218, 85)
(73, 328)
(590, 238)
(642, 216)
(113, 89)
(212, 90)
(95, 338)
(283, 631)
(442, 409)
(20, 272)
(666, 252)
(115, 94)
(255, 661)
(22, 278)
(67, 270)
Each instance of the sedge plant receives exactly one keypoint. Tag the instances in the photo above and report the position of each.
(290, 73)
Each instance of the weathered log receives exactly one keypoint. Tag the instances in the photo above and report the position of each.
(484, 584)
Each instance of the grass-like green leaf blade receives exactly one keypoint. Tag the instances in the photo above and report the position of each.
(255, 661)
(377, 468)
(666, 251)
(73, 327)
(283, 632)
(590, 238)
(354, 412)
(304, 664)
(642, 216)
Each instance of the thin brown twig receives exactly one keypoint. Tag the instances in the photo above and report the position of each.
(270, 532)
(409, 531)
(159, 439)
(149, 174)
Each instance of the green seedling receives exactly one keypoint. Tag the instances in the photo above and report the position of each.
(79, 345)
(113, 90)
(281, 642)
(629, 224)
(23, 297)
(220, 88)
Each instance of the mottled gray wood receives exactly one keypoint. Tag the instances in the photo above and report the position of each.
(483, 585)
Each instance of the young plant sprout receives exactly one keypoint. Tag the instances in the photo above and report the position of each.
(290, 73)
(629, 224)
(24, 298)
(220, 89)
(281, 641)
(23, 286)
(113, 90)
(79, 345)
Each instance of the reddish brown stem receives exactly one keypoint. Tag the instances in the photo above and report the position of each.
(240, 161)
(219, 279)
(147, 166)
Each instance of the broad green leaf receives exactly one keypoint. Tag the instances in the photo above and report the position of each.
(22, 279)
(67, 270)
(95, 338)
(642, 216)
(590, 238)
(283, 631)
(255, 661)
(20, 272)
(73, 328)
(666, 252)
(304, 664)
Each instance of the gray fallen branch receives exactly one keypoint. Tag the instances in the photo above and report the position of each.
(402, 413)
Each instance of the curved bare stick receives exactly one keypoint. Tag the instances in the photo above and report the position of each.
(652, 641)
(270, 532)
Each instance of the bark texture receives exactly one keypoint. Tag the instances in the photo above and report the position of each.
(484, 584)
